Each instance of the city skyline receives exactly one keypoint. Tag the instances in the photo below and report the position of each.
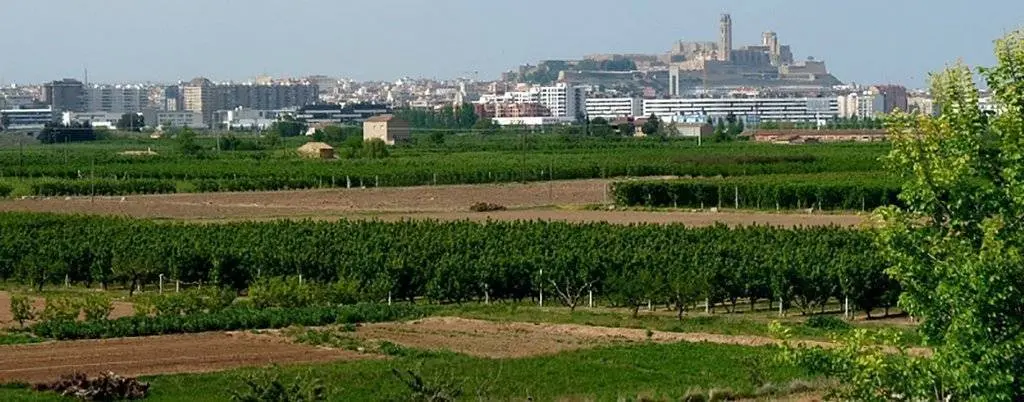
(167, 41)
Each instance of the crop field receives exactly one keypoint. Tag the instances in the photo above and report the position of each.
(99, 169)
(583, 278)
(557, 201)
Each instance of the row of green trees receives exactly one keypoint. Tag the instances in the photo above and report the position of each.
(823, 191)
(57, 187)
(456, 262)
(448, 117)
(368, 167)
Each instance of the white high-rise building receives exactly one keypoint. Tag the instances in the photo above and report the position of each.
(563, 100)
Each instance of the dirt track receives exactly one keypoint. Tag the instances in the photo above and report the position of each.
(526, 201)
(156, 355)
(519, 339)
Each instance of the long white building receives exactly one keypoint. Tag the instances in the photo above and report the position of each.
(763, 109)
(612, 108)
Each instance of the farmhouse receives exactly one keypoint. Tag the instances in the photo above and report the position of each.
(387, 128)
(317, 150)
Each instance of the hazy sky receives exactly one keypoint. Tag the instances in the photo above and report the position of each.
(864, 41)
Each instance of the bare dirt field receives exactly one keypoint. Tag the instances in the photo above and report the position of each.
(157, 355)
(525, 201)
(518, 339)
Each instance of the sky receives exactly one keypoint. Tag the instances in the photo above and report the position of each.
(863, 41)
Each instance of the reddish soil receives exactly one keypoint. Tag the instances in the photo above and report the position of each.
(157, 355)
(517, 339)
(434, 202)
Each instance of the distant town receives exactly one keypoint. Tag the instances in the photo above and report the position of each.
(692, 81)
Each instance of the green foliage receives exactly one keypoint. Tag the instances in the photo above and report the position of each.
(375, 149)
(96, 307)
(267, 385)
(230, 319)
(230, 142)
(441, 390)
(288, 128)
(185, 142)
(22, 309)
(448, 117)
(282, 292)
(652, 126)
(819, 191)
(5, 190)
(453, 262)
(609, 374)
(463, 159)
(873, 366)
(193, 301)
(102, 187)
(61, 309)
(55, 133)
(131, 122)
(955, 246)
(827, 322)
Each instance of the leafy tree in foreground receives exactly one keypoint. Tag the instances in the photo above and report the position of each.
(652, 126)
(956, 248)
(131, 122)
(186, 142)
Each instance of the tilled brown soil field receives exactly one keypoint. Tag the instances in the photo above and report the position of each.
(157, 355)
(520, 339)
(525, 201)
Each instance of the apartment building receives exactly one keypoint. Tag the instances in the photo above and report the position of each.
(864, 104)
(762, 109)
(612, 108)
(66, 95)
(563, 100)
(204, 97)
(116, 98)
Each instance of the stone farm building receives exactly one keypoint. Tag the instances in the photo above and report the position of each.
(388, 128)
(317, 150)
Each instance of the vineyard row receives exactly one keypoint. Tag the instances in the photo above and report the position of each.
(850, 191)
(462, 261)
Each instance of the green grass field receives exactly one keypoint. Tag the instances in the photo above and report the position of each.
(605, 374)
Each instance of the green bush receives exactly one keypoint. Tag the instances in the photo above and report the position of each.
(22, 309)
(59, 309)
(281, 292)
(96, 307)
(827, 322)
(192, 301)
(5, 190)
(230, 319)
(268, 386)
